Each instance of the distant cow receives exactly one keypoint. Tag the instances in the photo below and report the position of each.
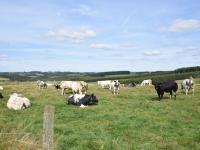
(41, 84)
(131, 84)
(146, 82)
(115, 85)
(82, 99)
(188, 84)
(169, 87)
(17, 102)
(105, 84)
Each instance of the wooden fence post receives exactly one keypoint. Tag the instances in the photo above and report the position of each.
(48, 123)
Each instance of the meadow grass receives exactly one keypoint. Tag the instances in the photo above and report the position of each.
(135, 119)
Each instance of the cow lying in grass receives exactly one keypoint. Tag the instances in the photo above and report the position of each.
(82, 99)
(169, 87)
(17, 102)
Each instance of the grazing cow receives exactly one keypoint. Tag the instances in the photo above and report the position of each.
(1, 96)
(65, 85)
(16, 102)
(188, 84)
(146, 82)
(105, 84)
(79, 87)
(169, 86)
(1, 87)
(82, 99)
(115, 86)
(76, 86)
(41, 84)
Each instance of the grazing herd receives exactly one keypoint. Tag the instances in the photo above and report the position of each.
(82, 99)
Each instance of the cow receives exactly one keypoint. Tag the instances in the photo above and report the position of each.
(115, 86)
(17, 102)
(41, 84)
(1, 96)
(65, 85)
(105, 84)
(76, 86)
(79, 87)
(188, 84)
(131, 84)
(169, 87)
(146, 82)
(82, 99)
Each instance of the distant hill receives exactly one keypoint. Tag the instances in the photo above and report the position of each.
(123, 76)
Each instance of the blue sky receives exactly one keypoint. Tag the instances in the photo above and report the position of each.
(99, 35)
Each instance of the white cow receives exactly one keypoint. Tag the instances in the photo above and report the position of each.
(16, 102)
(76, 86)
(1, 87)
(115, 86)
(80, 87)
(188, 84)
(65, 85)
(146, 82)
(105, 84)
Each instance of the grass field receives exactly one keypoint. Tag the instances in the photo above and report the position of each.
(135, 119)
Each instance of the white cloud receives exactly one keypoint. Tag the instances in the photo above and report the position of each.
(3, 56)
(101, 46)
(76, 36)
(127, 45)
(181, 25)
(152, 53)
(84, 10)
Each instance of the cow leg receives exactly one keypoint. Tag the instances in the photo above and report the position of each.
(193, 91)
(186, 91)
(171, 95)
(62, 92)
(175, 95)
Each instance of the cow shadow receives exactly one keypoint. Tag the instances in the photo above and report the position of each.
(157, 99)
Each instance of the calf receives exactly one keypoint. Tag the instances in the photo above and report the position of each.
(169, 87)
(82, 99)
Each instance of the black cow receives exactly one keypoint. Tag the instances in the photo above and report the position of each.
(79, 99)
(57, 86)
(1, 96)
(169, 87)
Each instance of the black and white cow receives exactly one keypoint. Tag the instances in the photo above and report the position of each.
(82, 99)
(41, 84)
(169, 87)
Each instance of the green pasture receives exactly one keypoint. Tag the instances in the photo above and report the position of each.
(135, 119)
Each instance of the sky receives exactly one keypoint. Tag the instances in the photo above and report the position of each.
(99, 35)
